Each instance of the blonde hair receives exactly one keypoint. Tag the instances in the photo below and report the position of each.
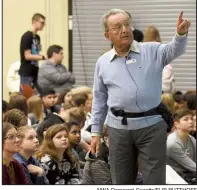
(81, 89)
(34, 104)
(151, 34)
(76, 114)
(23, 130)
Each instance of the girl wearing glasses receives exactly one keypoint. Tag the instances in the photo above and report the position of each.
(55, 158)
(12, 171)
(28, 146)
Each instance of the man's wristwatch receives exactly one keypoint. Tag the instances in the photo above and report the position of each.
(43, 57)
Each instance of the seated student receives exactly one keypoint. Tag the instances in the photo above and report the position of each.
(190, 99)
(35, 109)
(55, 157)
(181, 147)
(74, 137)
(18, 102)
(4, 108)
(193, 132)
(179, 100)
(59, 113)
(79, 100)
(48, 96)
(16, 117)
(77, 114)
(84, 101)
(100, 163)
(29, 145)
(12, 171)
(72, 114)
(42, 128)
(96, 170)
(64, 98)
(82, 97)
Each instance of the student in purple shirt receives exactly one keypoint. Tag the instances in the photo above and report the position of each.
(12, 171)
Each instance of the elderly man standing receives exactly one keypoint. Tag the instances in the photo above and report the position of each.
(127, 88)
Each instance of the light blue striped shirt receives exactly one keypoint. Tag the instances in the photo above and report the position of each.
(133, 84)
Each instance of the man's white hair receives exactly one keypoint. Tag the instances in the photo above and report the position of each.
(105, 17)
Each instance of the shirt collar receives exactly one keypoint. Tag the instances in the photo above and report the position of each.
(19, 156)
(134, 47)
(5, 163)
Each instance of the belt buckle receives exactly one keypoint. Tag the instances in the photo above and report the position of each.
(121, 112)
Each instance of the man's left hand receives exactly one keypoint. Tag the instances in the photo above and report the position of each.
(182, 25)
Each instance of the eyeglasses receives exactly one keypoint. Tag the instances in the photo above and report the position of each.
(13, 137)
(119, 26)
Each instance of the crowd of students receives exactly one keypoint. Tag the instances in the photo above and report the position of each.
(181, 141)
(42, 137)
(46, 139)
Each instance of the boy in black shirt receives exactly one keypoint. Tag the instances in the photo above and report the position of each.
(49, 96)
(30, 53)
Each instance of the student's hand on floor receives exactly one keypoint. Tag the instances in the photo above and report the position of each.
(35, 170)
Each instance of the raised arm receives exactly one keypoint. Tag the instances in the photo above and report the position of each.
(177, 47)
(182, 25)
